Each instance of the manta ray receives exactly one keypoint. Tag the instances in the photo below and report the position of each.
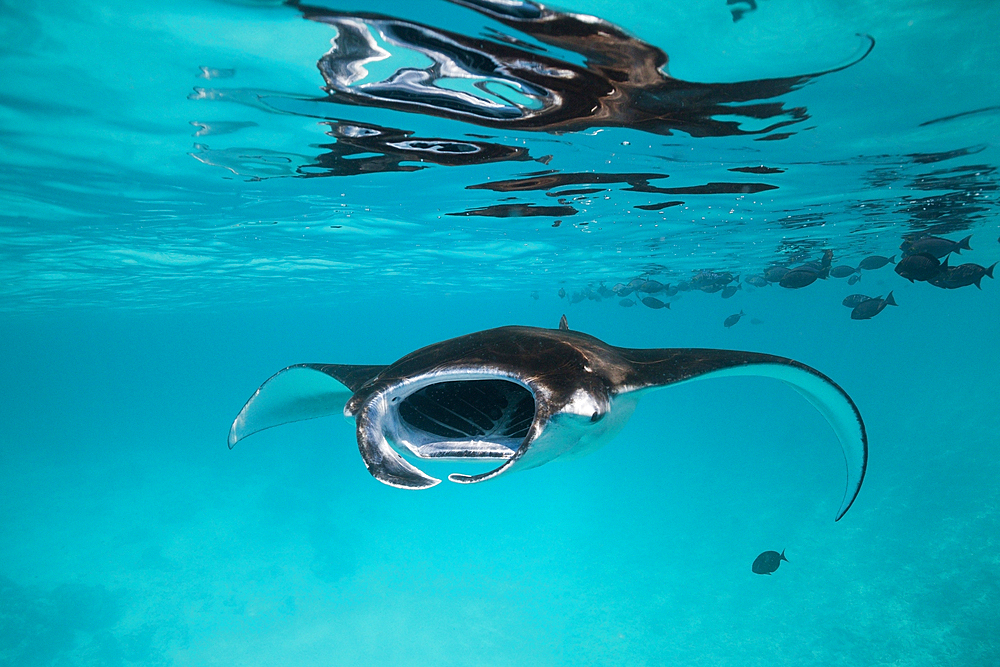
(520, 396)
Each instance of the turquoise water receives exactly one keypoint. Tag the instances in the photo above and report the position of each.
(178, 224)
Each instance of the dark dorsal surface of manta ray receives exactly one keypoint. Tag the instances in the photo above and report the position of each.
(518, 395)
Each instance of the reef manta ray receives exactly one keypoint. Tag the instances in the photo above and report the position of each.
(521, 395)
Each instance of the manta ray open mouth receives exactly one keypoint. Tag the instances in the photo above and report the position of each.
(462, 419)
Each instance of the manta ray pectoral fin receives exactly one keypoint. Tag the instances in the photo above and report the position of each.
(304, 391)
(831, 401)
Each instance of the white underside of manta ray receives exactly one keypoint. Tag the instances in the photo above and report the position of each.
(518, 395)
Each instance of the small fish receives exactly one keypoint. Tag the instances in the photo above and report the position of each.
(670, 291)
(843, 271)
(562, 293)
(733, 319)
(757, 281)
(577, 297)
(799, 277)
(730, 290)
(854, 299)
(712, 288)
(626, 303)
(872, 307)
(876, 262)
(768, 562)
(775, 274)
(853, 280)
(534, 295)
(651, 287)
(922, 266)
(706, 278)
(683, 286)
(963, 275)
(826, 261)
(934, 245)
(605, 292)
(756, 320)
(635, 283)
(654, 303)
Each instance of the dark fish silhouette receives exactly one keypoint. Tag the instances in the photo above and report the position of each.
(843, 271)
(963, 275)
(808, 273)
(757, 281)
(800, 276)
(622, 290)
(768, 562)
(730, 290)
(733, 319)
(654, 303)
(517, 397)
(775, 273)
(703, 278)
(636, 283)
(872, 307)
(876, 262)
(756, 320)
(562, 292)
(922, 266)
(853, 300)
(853, 280)
(626, 303)
(934, 245)
(651, 287)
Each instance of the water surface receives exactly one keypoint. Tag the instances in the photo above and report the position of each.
(199, 194)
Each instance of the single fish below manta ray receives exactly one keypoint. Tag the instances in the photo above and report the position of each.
(521, 395)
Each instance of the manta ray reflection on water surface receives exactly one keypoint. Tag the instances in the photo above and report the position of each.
(520, 395)
(524, 83)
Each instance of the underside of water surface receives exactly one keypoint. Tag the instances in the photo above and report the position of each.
(196, 195)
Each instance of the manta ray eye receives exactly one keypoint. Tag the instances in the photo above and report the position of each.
(597, 416)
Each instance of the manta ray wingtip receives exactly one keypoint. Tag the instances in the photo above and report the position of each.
(234, 433)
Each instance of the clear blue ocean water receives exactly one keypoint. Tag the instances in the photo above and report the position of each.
(184, 210)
